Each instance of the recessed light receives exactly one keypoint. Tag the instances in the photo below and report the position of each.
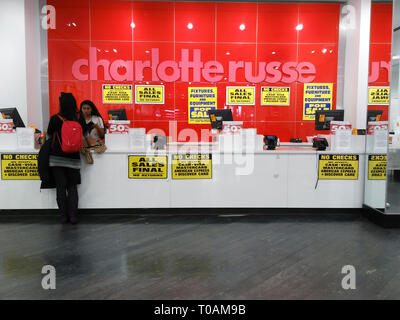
(242, 27)
(190, 26)
(299, 27)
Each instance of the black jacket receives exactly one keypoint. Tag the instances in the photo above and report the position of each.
(44, 168)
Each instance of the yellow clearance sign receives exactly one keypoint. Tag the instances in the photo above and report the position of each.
(19, 167)
(317, 96)
(378, 95)
(338, 167)
(147, 167)
(149, 94)
(240, 95)
(191, 166)
(377, 167)
(117, 93)
(275, 96)
(200, 101)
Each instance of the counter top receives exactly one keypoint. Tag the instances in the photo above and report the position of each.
(203, 149)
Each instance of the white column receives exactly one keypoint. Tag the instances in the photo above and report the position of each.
(33, 64)
(13, 56)
(355, 20)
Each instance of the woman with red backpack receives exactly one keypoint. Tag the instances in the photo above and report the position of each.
(66, 134)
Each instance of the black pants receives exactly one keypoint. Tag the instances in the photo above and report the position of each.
(67, 192)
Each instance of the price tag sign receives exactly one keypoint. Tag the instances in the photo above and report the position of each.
(119, 126)
(6, 126)
(232, 127)
(340, 125)
(376, 126)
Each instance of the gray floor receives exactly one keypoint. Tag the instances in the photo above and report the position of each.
(393, 191)
(199, 257)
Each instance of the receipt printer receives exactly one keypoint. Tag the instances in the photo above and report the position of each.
(320, 143)
(159, 142)
(270, 142)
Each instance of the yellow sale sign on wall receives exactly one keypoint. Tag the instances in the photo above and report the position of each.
(117, 93)
(275, 96)
(317, 96)
(19, 167)
(240, 95)
(200, 101)
(149, 94)
(191, 166)
(147, 167)
(338, 167)
(377, 167)
(378, 95)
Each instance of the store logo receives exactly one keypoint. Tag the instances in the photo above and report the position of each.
(375, 69)
(170, 71)
(49, 17)
(349, 280)
(49, 280)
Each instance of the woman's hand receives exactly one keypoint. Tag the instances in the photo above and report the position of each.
(99, 130)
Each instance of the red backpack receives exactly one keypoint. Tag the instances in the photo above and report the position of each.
(71, 136)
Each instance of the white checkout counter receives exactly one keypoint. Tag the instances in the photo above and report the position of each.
(282, 178)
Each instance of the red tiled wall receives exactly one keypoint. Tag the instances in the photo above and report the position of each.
(270, 27)
(380, 46)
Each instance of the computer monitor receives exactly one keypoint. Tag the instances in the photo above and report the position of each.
(323, 118)
(12, 113)
(374, 115)
(218, 116)
(117, 114)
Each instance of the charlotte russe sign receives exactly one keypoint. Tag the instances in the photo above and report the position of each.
(170, 71)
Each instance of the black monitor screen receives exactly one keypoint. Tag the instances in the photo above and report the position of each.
(12, 113)
(117, 114)
(218, 116)
(323, 118)
(374, 115)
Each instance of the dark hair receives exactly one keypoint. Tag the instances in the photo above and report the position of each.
(68, 107)
(95, 112)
